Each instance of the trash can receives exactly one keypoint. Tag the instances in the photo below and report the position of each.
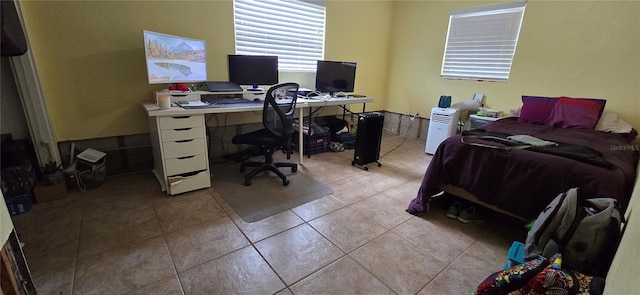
(91, 168)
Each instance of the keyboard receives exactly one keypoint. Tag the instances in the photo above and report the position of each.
(193, 104)
(230, 101)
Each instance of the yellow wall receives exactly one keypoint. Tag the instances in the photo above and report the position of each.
(90, 55)
(359, 31)
(570, 48)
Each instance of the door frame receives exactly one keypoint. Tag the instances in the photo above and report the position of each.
(35, 109)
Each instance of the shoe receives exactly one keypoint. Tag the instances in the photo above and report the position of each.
(454, 210)
(336, 147)
(469, 215)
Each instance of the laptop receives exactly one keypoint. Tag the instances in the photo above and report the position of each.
(218, 86)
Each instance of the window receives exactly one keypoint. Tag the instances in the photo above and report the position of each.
(481, 41)
(291, 29)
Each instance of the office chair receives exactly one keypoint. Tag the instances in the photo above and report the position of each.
(277, 118)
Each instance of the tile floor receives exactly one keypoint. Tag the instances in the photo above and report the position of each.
(127, 237)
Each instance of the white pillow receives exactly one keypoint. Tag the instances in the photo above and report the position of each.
(610, 122)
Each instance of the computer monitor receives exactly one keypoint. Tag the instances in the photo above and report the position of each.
(253, 70)
(173, 59)
(335, 76)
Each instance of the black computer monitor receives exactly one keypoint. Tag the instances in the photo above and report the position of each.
(335, 76)
(253, 70)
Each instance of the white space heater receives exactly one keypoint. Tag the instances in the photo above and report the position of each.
(443, 123)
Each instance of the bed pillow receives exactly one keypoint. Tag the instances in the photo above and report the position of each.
(586, 101)
(610, 122)
(575, 113)
(536, 109)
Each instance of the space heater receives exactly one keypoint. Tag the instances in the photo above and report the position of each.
(443, 124)
(368, 139)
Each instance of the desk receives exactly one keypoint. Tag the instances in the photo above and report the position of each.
(179, 141)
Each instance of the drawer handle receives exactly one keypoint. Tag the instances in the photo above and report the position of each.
(174, 180)
(183, 141)
(185, 175)
(187, 157)
(182, 117)
(191, 173)
(182, 129)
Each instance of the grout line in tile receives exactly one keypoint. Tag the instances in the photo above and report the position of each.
(319, 269)
(448, 266)
(77, 256)
(166, 245)
(229, 215)
(367, 270)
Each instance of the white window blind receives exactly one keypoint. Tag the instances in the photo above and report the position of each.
(481, 41)
(291, 29)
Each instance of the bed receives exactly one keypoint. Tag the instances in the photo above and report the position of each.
(520, 181)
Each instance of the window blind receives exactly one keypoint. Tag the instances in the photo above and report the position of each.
(481, 41)
(292, 29)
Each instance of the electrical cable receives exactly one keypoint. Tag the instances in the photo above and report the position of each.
(340, 94)
(224, 132)
(81, 185)
(403, 139)
(316, 92)
(210, 134)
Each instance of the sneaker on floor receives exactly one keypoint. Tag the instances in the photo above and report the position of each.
(454, 210)
(469, 215)
(336, 146)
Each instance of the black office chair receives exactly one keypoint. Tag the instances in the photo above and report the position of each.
(277, 118)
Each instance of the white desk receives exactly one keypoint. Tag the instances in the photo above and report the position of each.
(179, 140)
(334, 101)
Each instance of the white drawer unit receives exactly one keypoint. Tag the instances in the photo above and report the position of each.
(183, 148)
(180, 153)
(179, 122)
(181, 134)
(186, 164)
(184, 183)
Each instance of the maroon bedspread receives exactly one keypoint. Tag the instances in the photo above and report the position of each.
(523, 182)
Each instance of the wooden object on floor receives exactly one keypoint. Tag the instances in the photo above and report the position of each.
(8, 280)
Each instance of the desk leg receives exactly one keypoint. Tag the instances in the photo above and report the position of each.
(301, 136)
(310, 121)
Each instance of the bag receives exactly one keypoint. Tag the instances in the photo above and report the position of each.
(511, 279)
(540, 276)
(444, 102)
(586, 232)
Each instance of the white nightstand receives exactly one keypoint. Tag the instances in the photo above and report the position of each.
(476, 121)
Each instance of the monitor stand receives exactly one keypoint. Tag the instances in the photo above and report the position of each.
(255, 88)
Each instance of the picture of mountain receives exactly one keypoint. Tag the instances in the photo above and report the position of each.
(172, 59)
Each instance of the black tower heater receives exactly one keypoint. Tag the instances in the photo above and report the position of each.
(368, 138)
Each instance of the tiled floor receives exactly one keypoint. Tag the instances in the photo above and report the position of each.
(127, 237)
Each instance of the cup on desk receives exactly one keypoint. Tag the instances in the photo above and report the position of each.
(164, 101)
